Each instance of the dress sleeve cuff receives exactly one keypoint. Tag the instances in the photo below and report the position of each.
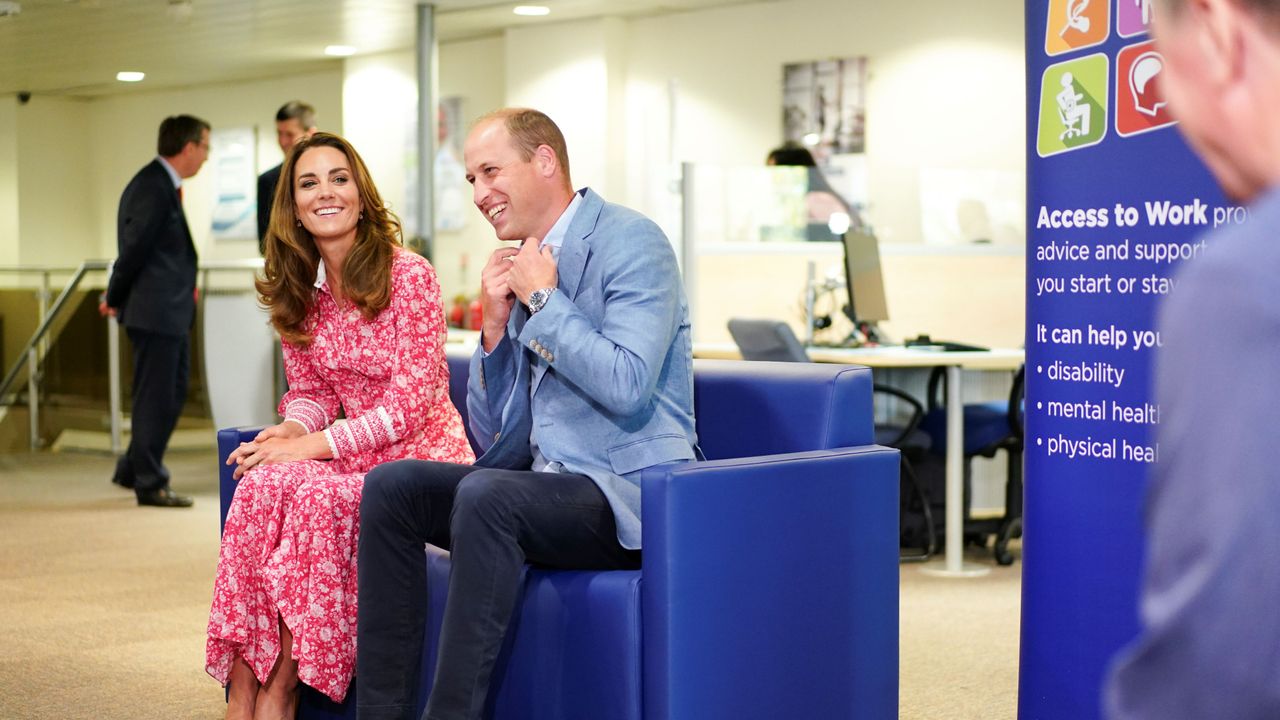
(308, 413)
(333, 447)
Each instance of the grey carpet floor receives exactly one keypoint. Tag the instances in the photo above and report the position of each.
(104, 604)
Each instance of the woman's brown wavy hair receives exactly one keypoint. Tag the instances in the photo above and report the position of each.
(287, 286)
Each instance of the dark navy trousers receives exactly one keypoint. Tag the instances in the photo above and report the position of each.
(161, 373)
(492, 522)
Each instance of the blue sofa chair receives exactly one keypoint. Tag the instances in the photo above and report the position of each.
(769, 586)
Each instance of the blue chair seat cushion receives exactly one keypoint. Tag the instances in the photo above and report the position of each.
(985, 426)
(915, 443)
(573, 648)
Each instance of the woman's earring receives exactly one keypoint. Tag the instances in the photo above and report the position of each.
(361, 214)
(297, 221)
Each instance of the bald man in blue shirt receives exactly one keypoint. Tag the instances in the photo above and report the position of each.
(1210, 646)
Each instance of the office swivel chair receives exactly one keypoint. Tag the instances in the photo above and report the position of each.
(1071, 123)
(772, 340)
(988, 429)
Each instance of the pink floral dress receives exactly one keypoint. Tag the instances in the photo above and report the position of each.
(289, 545)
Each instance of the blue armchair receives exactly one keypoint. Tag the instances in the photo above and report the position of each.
(769, 586)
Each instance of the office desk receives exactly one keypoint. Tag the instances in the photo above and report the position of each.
(953, 564)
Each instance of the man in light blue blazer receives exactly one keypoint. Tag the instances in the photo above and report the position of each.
(583, 379)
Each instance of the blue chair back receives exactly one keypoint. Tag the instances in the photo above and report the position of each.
(739, 417)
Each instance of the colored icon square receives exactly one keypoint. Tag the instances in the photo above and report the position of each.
(1076, 24)
(1133, 17)
(1140, 106)
(1073, 105)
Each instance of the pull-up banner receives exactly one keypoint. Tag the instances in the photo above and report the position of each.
(1115, 202)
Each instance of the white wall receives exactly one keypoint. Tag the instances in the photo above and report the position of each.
(945, 88)
(945, 91)
(474, 71)
(122, 132)
(379, 112)
(974, 297)
(380, 98)
(9, 183)
(573, 72)
(55, 204)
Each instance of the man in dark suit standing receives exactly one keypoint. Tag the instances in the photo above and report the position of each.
(295, 120)
(152, 292)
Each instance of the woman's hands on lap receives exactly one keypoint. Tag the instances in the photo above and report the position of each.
(285, 442)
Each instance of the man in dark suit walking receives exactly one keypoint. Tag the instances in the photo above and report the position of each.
(295, 120)
(152, 292)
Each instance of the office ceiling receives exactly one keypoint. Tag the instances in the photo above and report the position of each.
(75, 47)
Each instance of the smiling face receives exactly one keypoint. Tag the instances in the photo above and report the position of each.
(326, 196)
(519, 196)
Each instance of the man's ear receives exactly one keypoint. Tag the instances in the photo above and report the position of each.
(545, 159)
(1221, 38)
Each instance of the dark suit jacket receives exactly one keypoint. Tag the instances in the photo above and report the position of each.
(266, 194)
(154, 277)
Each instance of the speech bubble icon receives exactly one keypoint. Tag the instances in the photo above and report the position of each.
(1144, 83)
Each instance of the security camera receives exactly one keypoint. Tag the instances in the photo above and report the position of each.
(24, 97)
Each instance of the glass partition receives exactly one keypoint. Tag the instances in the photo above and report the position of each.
(768, 204)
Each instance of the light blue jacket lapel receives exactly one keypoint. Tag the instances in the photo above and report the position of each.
(576, 248)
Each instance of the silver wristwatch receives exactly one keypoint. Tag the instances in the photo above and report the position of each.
(538, 299)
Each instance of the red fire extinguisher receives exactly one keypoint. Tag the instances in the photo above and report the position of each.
(458, 312)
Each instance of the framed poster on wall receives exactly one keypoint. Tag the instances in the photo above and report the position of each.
(824, 112)
(235, 198)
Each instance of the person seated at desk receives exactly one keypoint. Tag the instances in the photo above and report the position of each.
(822, 202)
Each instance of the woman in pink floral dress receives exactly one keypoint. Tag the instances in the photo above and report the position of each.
(363, 333)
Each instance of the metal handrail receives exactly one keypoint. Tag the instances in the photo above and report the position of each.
(47, 322)
(30, 357)
(20, 269)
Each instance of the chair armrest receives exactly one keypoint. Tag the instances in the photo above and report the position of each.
(229, 439)
(917, 412)
(770, 586)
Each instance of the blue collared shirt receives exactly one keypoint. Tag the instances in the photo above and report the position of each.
(554, 239)
(173, 174)
(555, 236)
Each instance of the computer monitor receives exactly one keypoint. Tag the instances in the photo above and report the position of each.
(864, 282)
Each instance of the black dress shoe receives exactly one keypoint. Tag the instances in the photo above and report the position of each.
(163, 497)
